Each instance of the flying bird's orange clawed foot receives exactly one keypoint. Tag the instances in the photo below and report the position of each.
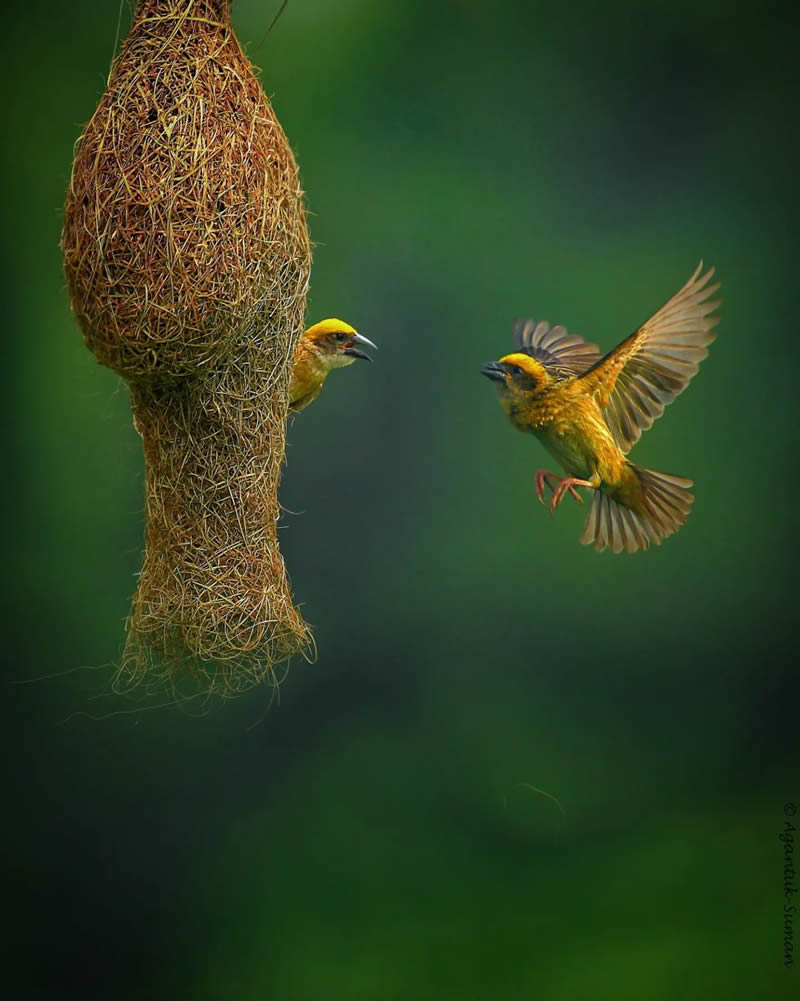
(545, 476)
(565, 484)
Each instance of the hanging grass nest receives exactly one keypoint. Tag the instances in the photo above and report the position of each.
(187, 258)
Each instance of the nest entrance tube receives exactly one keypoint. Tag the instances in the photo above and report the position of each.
(187, 258)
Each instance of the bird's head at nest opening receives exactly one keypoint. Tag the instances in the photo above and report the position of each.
(336, 344)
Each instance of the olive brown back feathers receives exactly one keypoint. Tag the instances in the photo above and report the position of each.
(327, 345)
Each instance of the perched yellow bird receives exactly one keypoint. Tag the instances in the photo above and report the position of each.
(325, 346)
(588, 411)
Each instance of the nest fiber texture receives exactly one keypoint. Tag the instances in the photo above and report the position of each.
(187, 258)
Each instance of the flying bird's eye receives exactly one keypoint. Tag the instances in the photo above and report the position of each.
(523, 380)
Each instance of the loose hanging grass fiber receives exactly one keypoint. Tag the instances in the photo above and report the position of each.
(187, 259)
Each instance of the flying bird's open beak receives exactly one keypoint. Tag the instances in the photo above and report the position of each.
(354, 352)
(494, 370)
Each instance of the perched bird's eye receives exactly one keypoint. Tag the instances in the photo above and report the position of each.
(341, 336)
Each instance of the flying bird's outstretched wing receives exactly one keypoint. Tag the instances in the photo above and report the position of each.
(642, 375)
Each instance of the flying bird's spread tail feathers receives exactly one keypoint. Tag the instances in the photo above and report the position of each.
(657, 509)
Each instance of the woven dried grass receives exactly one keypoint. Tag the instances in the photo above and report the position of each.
(187, 259)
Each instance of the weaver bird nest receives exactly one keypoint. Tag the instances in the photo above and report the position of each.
(187, 258)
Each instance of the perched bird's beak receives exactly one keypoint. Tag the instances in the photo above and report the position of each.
(494, 370)
(354, 352)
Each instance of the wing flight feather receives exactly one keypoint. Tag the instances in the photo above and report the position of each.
(644, 374)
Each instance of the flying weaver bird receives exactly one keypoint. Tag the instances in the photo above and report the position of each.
(322, 348)
(588, 411)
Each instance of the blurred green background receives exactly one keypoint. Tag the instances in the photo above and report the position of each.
(366, 836)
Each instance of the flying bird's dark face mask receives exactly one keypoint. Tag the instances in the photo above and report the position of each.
(509, 379)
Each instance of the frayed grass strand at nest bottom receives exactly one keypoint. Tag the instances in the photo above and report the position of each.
(187, 258)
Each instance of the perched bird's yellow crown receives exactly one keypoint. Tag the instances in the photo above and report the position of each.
(329, 326)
